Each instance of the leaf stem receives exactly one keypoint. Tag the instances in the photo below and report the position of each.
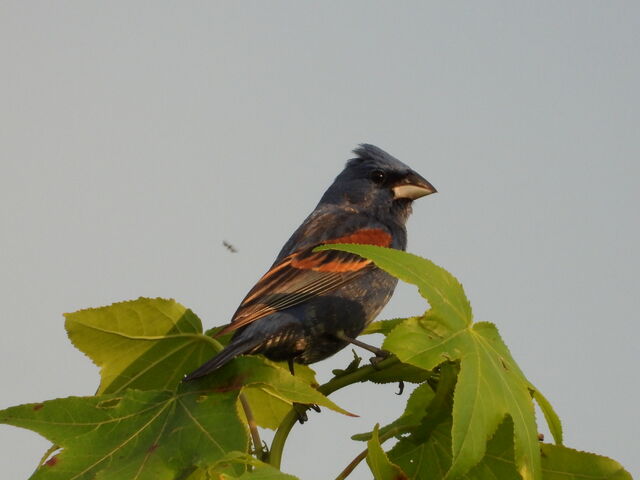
(253, 428)
(336, 383)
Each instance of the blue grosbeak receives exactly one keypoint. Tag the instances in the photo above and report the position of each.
(310, 305)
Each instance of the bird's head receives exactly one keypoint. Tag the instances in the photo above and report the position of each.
(376, 180)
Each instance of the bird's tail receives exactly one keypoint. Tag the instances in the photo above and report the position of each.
(227, 354)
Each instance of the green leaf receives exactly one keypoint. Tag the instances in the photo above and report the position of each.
(382, 326)
(259, 471)
(432, 459)
(379, 463)
(269, 407)
(425, 460)
(489, 387)
(147, 344)
(157, 434)
(490, 384)
(414, 412)
(550, 415)
(267, 380)
(562, 463)
(224, 468)
(402, 372)
(439, 287)
(153, 435)
(268, 410)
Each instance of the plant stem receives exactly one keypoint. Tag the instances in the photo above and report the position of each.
(277, 445)
(363, 454)
(253, 428)
(359, 375)
(437, 409)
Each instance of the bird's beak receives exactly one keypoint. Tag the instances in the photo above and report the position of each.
(412, 186)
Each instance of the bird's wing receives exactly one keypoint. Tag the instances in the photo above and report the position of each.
(305, 274)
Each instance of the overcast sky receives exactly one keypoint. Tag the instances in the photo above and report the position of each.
(136, 136)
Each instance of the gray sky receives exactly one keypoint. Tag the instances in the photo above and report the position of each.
(136, 136)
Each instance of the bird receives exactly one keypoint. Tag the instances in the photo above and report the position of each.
(310, 305)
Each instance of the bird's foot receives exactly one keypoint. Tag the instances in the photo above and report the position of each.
(380, 356)
(263, 452)
(302, 408)
(400, 387)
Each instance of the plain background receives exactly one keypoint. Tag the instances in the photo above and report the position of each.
(136, 136)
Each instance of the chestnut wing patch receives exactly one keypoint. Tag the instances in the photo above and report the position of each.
(304, 275)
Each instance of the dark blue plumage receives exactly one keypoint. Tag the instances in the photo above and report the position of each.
(309, 305)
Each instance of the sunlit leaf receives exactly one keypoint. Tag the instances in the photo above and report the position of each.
(489, 387)
(144, 423)
(432, 459)
(147, 344)
(271, 389)
(550, 415)
(382, 326)
(379, 463)
(258, 471)
(258, 373)
(151, 435)
(490, 383)
(150, 344)
(562, 463)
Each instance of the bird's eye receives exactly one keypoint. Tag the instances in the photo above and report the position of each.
(378, 176)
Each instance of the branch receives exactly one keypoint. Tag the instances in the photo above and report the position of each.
(336, 383)
(438, 407)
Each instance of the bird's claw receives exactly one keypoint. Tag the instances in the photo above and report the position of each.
(301, 410)
(264, 452)
(400, 387)
(380, 356)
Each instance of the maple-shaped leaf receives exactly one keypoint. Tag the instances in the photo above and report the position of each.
(152, 435)
(256, 374)
(379, 464)
(151, 343)
(156, 434)
(490, 384)
(147, 344)
(432, 459)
